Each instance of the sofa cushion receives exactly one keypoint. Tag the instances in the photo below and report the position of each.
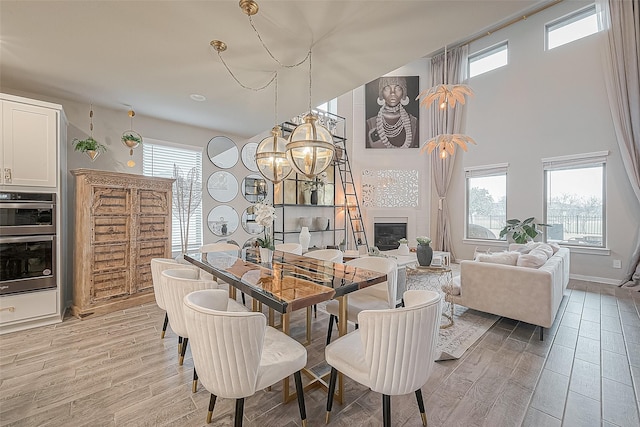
(527, 248)
(534, 259)
(555, 247)
(506, 258)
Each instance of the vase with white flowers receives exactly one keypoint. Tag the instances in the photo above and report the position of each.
(318, 182)
(424, 251)
(265, 215)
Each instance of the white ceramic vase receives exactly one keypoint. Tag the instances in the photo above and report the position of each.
(403, 249)
(266, 255)
(304, 238)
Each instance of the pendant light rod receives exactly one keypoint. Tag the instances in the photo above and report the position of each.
(250, 8)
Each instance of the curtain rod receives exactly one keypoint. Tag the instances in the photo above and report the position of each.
(503, 26)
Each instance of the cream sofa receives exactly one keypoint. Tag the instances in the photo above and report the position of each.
(531, 295)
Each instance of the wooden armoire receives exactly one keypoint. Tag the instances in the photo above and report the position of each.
(121, 222)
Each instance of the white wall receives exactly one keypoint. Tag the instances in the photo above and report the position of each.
(546, 104)
(352, 106)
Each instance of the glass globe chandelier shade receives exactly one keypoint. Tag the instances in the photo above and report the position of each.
(271, 157)
(310, 148)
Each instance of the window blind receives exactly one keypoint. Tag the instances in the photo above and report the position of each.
(158, 160)
(489, 170)
(573, 161)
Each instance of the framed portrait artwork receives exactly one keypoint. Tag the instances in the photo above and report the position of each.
(391, 110)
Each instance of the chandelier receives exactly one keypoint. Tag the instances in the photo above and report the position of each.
(447, 97)
(309, 149)
(271, 154)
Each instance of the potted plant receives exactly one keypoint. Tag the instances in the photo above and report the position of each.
(265, 214)
(131, 139)
(424, 251)
(89, 146)
(521, 231)
(403, 249)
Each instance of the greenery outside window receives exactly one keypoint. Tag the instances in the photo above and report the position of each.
(575, 200)
(158, 158)
(486, 201)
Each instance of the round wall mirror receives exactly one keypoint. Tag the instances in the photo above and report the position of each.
(248, 155)
(222, 186)
(249, 221)
(223, 220)
(233, 242)
(250, 243)
(222, 152)
(254, 188)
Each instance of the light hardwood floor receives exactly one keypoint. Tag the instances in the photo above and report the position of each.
(114, 370)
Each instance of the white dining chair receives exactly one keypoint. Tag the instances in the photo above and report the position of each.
(237, 354)
(375, 297)
(292, 248)
(176, 285)
(333, 255)
(226, 247)
(392, 352)
(158, 265)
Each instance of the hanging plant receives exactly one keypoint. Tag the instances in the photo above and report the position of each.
(131, 139)
(89, 146)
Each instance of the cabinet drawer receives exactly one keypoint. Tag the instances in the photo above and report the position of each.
(110, 229)
(153, 227)
(27, 306)
(154, 202)
(109, 257)
(109, 284)
(107, 200)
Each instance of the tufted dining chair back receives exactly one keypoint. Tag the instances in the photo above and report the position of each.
(392, 352)
(178, 283)
(399, 344)
(236, 353)
(381, 265)
(333, 255)
(292, 248)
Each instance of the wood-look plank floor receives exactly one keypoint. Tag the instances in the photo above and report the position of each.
(114, 370)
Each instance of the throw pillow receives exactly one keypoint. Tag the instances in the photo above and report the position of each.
(555, 247)
(534, 259)
(506, 258)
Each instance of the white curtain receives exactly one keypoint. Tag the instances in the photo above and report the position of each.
(622, 77)
(456, 73)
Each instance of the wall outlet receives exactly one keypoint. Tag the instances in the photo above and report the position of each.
(617, 263)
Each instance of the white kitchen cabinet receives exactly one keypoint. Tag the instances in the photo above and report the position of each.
(29, 142)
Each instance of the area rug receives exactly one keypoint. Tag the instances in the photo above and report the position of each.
(469, 325)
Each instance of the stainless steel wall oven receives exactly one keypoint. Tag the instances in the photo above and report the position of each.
(27, 242)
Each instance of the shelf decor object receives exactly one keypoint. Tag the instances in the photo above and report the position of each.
(89, 146)
(131, 138)
(304, 239)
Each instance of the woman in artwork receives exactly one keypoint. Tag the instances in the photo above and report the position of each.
(393, 126)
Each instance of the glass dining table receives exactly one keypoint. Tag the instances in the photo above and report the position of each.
(289, 283)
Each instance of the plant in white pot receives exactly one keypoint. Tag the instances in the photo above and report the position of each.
(424, 251)
(265, 215)
(521, 231)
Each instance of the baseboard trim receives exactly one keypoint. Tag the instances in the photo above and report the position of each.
(604, 280)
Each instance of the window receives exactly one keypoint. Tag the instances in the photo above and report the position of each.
(488, 59)
(575, 199)
(330, 106)
(572, 27)
(486, 201)
(158, 159)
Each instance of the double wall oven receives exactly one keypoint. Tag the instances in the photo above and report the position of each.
(27, 242)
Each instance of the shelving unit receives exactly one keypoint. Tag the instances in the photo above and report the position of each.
(292, 201)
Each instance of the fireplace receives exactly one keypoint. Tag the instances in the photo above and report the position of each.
(387, 234)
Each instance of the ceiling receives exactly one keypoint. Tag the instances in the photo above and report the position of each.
(152, 55)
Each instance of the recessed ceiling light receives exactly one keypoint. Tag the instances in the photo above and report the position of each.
(197, 97)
